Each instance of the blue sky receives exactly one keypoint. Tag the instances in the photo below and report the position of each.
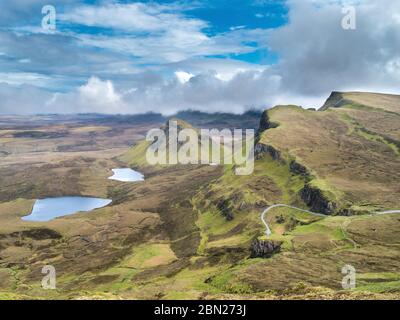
(231, 30)
(227, 55)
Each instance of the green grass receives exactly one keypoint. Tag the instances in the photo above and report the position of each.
(149, 255)
(378, 138)
(12, 296)
(378, 282)
(136, 156)
(212, 223)
(289, 185)
(355, 127)
(327, 190)
(228, 282)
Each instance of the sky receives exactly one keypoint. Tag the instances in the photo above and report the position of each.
(129, 57)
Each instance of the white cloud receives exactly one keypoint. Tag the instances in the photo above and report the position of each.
(99, 91)
(316, 57)
(183, 76)
(24, 99)
(157, 33)
(94, 96)
(175, 45)
(225, 67)
(151, 17)
(19, 78)
(237, 28)
(24, 61)
(203, 92)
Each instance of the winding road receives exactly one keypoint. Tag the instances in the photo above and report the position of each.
(268, 231)
(388, 212)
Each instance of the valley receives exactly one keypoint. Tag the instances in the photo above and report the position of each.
(197, 231)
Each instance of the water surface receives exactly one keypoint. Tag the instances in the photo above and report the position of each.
(126, 175)
(50, 208)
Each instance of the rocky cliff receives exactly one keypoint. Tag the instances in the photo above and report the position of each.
(335, 100)
(317, 202)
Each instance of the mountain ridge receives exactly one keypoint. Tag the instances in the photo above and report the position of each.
(338, 99)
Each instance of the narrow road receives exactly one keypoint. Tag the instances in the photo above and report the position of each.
(268, 231)
(388, 212)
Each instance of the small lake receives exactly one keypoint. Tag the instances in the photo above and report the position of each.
(126, 175)
(50, 208)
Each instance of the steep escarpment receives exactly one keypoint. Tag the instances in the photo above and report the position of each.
(261, 149)
(336, 100)
(265, 124)
(313, 197)
(298, 169)
(316, 200)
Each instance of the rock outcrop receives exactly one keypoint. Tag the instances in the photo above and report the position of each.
(261, 150)
(265, 124)
(224, 207)
(298, 169)
(264, 248)
(316, 201)
(335, 100)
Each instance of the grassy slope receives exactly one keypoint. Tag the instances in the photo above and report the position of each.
(318, 140)
(270, 183)
(314, 249)
(352, 158)
(387, 102)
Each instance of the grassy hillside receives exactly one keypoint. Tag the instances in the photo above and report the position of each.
(388, 102)
(193, 231)
(136, 156)
(351, 153)
(348, 165)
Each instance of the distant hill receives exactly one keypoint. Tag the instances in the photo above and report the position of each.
(387, 102)
(247, 120)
